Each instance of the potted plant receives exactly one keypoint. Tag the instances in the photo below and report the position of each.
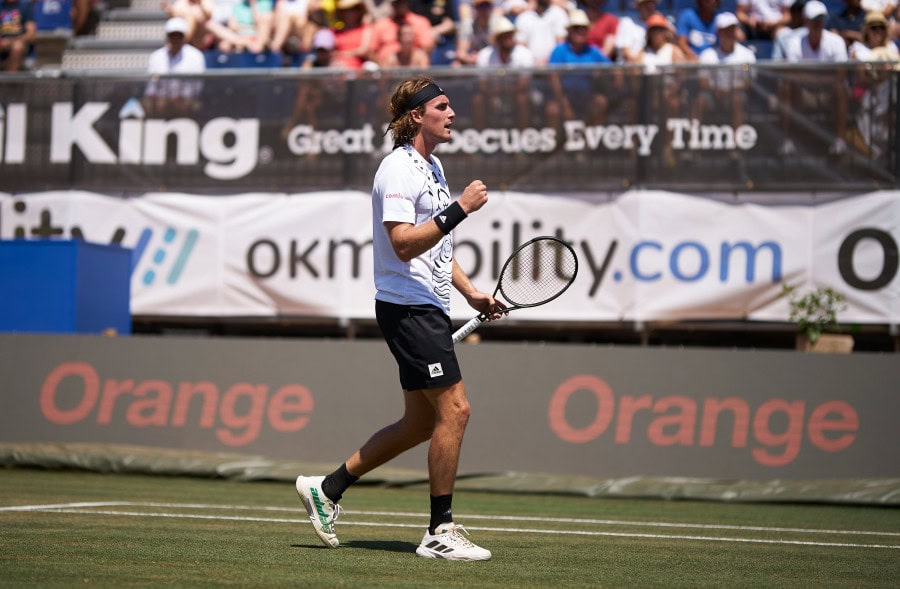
(816, 317)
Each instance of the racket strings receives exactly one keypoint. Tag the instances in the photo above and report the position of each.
(537, 274)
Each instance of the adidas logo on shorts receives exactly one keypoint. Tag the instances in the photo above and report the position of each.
(435, 370)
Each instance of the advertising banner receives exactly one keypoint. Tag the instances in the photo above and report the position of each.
(644, 256)
(601, 129)
(566, 409)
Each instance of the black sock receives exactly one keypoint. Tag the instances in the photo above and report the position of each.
(441, 512)
(337, 482)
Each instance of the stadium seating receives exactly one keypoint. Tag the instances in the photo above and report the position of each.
(761, 47)
(128, 33)
(125, 37)
(217, 59)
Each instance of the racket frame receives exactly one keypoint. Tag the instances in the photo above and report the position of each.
(473, 323)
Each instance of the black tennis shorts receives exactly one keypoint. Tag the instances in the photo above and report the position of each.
(421, 339)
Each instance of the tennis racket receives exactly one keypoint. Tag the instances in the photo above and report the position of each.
(536, 273)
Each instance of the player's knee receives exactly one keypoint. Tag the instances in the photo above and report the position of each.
(459, 413)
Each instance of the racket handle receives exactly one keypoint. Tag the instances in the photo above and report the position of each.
(468, 328)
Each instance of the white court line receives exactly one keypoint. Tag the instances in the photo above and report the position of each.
(87, 509)
(564, 520)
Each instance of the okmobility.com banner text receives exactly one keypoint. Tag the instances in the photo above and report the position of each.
(644, 256)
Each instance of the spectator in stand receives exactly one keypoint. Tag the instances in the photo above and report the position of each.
(889, 9)
(576, 49)
(384, 33)
(724, 85)
(761, 19)
(353, 41)
(815, 91)
(696, 28)
(408, 55)
(816, 43)
(796, 23)
(602, 33)
(659, 51)
(251, 20)
(875, 45)
(441, 16)
(314, 92)
(289, 20)
(195, 13)
(873, 131)
(320, 15)
(660, 48)
(631, 34)
(174, 96)
(322, 56)
(542, 28)
(504, 52)
(17, 32)
(474, 34)
(217, 32)
(848, 23)
(578, 88)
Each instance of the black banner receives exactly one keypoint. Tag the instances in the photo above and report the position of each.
(598, 129)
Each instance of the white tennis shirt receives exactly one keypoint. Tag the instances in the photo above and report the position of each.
(409, 189)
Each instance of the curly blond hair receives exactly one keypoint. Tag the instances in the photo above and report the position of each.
(402, 126)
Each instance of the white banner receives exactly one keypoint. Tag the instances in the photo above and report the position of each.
(647, 255)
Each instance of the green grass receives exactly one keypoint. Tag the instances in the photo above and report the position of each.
(255, 535)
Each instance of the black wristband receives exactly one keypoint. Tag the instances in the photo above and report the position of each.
(450, 217)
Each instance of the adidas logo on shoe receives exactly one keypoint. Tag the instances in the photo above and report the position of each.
(436, 546)
(448, 542)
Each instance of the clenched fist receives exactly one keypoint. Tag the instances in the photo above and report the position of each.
(473, 197)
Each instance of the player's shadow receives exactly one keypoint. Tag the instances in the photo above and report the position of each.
(383, 545)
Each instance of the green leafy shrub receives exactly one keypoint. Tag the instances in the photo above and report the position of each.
(816, 312)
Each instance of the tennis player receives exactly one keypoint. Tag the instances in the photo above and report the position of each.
(413, 217)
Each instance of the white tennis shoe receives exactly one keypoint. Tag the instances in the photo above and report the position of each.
(448, 542)
(322, 511)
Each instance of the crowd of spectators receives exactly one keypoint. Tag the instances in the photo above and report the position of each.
(463, 33)
(422, 33)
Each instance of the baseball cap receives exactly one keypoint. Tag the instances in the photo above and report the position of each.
(725, 20)
(658, 20)
(176, 25)
(323, 39)
(579, 18)
(346, 4)
(814, 9)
